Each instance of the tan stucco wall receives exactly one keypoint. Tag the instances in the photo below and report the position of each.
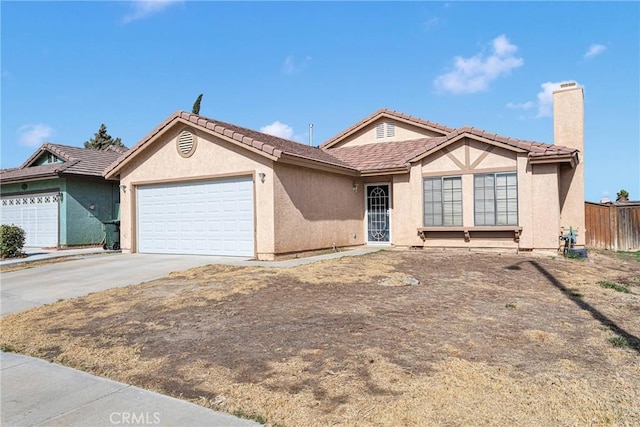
(403, 131)
(315, 210)
(545, 209)
(213, 158)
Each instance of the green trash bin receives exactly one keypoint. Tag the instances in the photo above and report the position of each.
(111, 235)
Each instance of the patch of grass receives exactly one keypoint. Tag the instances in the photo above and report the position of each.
(511, 305)
(7, 348)
(613, 285)
(247, 416)
(619, 342)
(575, 256)
(628, 256)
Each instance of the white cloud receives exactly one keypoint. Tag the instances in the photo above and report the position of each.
(278, 129)
(293, 66)
(544, 101)
(474, 74)
(431, 23)
(34, 135)
(142, 8)
(594, 50)
(520, 105)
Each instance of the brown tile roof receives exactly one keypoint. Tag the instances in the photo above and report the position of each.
(390, 155)
(535, 149)
(76, 161)
(384, 155)
(384, 112)
(268, 144)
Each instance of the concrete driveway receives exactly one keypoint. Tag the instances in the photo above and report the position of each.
(45, 284)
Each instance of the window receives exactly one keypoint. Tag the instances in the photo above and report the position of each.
(496, 199)
(51, 158)
(385, 130)
(443, 201)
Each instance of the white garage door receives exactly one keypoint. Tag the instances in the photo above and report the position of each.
(200, 218)
(36, 214)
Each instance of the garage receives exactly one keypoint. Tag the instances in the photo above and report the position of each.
(37, 214)
(213, 217)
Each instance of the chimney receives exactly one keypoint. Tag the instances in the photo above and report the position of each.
(568, 116)
(568, 131)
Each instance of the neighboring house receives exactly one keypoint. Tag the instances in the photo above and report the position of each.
(59, 196)
(201, 186)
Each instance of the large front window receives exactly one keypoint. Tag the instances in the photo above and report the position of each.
(443, 201)
(496, 199)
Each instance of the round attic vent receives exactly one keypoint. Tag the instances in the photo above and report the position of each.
(186, 143)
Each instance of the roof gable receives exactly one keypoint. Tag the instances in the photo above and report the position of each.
(273, 147)
(73, 161)
(382, 114)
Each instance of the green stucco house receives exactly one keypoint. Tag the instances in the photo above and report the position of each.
(59, 196)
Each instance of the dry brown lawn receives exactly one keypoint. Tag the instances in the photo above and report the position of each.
(485, 339)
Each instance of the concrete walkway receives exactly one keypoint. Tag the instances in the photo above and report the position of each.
(38, 393)
(40, 254)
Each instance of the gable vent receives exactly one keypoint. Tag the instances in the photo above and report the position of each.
(380, 130)
(391, 129)
(186, 143)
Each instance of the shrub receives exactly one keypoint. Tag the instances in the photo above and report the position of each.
(11, 241)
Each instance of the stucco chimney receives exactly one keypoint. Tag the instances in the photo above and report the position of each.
(568, 131)
(568, 116)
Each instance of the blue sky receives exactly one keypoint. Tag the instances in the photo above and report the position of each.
(67, 67)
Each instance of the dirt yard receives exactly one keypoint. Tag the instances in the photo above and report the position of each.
(484, 339)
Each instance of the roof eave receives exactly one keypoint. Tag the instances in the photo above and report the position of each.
(571, 159)
(316, 164)
(38, 177)
(398, 170)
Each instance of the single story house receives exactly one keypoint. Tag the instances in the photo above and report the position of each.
(59, 196)
(195, 185)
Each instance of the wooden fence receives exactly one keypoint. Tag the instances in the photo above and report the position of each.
(613, 227)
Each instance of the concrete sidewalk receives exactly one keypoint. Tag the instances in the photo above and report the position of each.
(38, 393)
(40, 254)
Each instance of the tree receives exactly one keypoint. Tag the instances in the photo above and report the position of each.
(196, 105)
(622, 196)
(102, 140)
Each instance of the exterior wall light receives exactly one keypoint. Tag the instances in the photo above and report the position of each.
(123, 188)
(262, 176)
(355, 187)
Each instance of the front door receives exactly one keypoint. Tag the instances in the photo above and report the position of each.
(378, 226)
